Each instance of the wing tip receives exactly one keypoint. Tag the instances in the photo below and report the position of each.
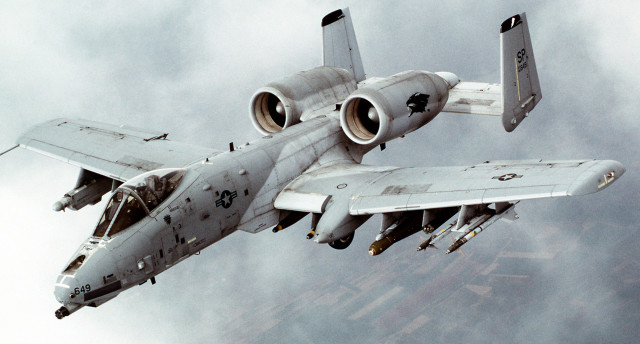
(597, 178)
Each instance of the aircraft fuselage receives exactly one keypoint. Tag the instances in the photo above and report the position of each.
(219, 195)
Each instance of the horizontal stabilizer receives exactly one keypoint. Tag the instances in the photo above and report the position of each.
(475, 98)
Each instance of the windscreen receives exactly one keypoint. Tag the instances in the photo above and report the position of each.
(137, 198)
(108, 215)
(131, 212)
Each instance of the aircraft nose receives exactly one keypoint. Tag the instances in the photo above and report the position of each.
(65, 293)
(64, 289)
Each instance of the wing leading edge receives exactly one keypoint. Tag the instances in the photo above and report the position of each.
(117, 152)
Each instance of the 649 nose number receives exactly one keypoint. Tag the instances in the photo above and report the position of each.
(84, 289)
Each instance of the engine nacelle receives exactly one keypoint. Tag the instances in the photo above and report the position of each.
(282, 103)
(393, 106)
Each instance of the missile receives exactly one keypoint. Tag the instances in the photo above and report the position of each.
(435, 237)
(63, 203)
(425, 244)
(479, 224)
(456, 244)
(413, 224)
(475, 228)
(88, 190)
(380, 246)
(403, 229)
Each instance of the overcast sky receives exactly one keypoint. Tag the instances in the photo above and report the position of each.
(190, 67)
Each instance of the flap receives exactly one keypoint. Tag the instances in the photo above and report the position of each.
(302, 202)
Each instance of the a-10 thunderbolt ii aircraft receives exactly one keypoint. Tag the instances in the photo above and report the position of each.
(169, 200)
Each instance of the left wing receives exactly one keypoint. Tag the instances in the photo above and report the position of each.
(343, 196)
(372, 190)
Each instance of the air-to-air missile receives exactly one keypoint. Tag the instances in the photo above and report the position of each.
(435, 237)
(396, 229)
(426, 243)
(480, 223)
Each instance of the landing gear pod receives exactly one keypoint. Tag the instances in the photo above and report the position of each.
(336, 226)
(342, 243)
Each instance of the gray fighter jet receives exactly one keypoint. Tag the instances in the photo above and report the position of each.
(169, 200)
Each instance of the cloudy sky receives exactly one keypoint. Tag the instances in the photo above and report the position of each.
(190, 68)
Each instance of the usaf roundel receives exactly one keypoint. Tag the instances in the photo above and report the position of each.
(506, 177)
(226, 199)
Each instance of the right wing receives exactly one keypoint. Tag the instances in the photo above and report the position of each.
(116, 152)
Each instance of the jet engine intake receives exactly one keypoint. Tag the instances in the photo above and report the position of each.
(283, 103)
(393, 106)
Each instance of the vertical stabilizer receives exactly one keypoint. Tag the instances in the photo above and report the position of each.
(340, 48)
(520, 84)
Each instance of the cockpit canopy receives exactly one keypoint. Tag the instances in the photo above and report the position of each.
(137, 198)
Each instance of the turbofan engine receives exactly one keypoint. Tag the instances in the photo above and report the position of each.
(394, 106)
(283, 103)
